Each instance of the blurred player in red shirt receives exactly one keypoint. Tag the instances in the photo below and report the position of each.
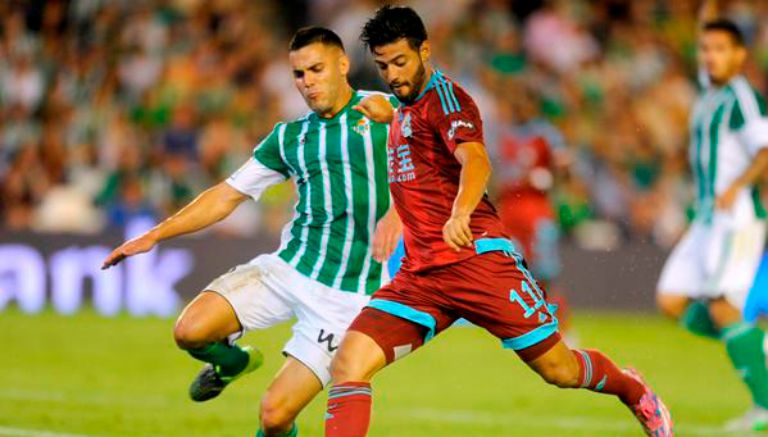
(528, 153)
(459, 261)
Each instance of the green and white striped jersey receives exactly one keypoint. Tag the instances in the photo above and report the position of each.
(728, 128)
(340, 169)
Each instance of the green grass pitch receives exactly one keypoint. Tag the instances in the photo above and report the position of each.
(91, 376)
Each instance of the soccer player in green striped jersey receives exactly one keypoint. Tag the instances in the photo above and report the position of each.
(329, 260)
(708, 276)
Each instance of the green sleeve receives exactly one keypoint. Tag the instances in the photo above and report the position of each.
(268, 153)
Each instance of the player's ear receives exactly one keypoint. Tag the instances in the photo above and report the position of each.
(425, 51)
(344, 63)
(741, 54)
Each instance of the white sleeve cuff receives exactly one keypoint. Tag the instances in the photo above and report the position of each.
(755, 135)
(253, 177)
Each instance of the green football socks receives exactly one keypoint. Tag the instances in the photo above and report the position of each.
(228, 360)
(697, 320)
(744, 344)
(292, 433)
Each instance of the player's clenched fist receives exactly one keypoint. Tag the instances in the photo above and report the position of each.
(377, 108)
(141, 244)
(457, 233)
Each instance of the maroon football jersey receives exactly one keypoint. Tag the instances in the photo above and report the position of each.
(424, 174)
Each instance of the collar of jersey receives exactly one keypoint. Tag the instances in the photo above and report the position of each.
(344, 109)
(727, 84)
(437, 76)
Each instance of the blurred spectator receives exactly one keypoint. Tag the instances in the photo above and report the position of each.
(132, 107)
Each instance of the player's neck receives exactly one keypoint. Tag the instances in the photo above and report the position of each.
(719, 83)
(428, 72)
(344, 97)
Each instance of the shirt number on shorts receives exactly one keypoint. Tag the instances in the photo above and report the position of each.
(514, 296)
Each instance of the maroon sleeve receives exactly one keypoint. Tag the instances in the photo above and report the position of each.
(463, 125)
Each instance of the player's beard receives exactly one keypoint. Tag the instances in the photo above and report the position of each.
(417, 82)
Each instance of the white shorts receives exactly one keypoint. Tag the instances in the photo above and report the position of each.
(267, 291)
(715, 260)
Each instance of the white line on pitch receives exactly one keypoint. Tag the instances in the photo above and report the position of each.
(543, 421)
(24, 432)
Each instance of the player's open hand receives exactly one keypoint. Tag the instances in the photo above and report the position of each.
(377, 108)
(386, 236)
(141, 244)
(456, 232)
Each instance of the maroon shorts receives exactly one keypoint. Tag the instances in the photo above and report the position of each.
(493, 290)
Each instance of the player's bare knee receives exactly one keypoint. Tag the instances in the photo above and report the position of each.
(349, 365)
(189, 335)
(723, 313)
(343, 367)
(275, 416)
(670, 305)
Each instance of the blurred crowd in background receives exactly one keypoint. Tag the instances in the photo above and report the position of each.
(117, 109)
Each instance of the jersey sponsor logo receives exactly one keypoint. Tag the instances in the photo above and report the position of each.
(323, 338)
(401, 168)
(456, 124)
(405, 126)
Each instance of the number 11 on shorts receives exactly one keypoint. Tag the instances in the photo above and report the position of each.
(514, 296)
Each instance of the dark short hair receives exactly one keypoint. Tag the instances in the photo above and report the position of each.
(314, 34)
(392, 23)
(727, 26)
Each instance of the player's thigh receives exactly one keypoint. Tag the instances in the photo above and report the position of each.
(323, 315)
(403, 315)
(294, 386)
(741, 257)
(683, 275)
(251, 295)
(496, 292)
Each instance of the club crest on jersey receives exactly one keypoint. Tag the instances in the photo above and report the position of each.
(405, 126)
(362, 127)
(455, 124)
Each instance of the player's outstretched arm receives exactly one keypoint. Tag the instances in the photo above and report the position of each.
(376, 107)
(387, 235)
(211, 206)
(475, 172)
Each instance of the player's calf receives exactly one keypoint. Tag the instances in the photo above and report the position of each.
(202, 331)
(592, 370)
(558, 367)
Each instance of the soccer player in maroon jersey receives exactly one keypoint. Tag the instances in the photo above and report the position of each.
(458, 260)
